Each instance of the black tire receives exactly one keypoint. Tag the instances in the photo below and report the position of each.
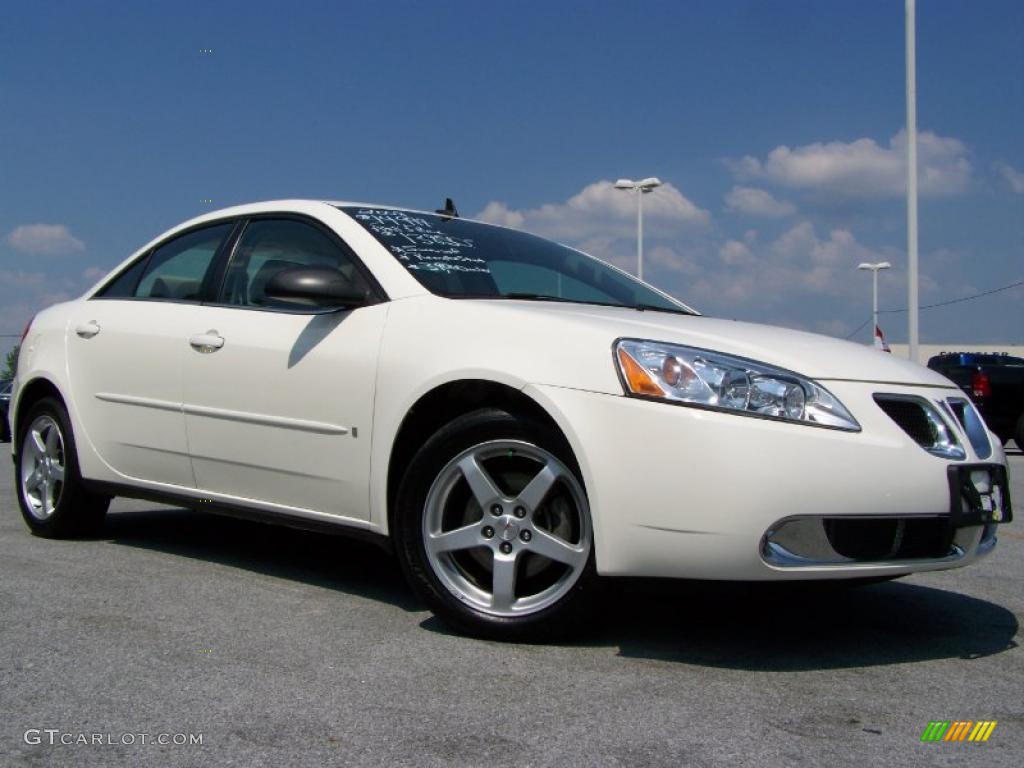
(1018, 433)
(572, 585)
(75, 511)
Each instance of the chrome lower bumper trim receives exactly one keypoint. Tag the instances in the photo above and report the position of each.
(813, 541)
(780, 557)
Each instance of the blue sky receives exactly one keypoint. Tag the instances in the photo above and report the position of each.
(776, 125)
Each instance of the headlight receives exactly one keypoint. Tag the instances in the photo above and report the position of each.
(704, 379)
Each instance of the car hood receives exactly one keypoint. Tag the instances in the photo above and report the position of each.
(819, 357)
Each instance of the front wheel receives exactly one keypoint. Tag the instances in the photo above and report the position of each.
(493, 528)
(53, 502)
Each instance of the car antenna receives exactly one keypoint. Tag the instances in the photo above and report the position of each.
(449, 210)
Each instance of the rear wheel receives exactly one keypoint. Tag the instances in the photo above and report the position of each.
(1018, 433)
(53, 501)
(494, 530)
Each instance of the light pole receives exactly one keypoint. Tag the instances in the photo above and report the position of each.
(641, 188)
(874, 290)
(912, 299)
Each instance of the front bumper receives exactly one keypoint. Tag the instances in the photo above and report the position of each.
(680, 492)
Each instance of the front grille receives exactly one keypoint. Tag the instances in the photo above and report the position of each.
(891, 538)
(959, 410)
(972, 424)
(923, 422)
(912, 419)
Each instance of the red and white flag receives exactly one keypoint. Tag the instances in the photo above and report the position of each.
(880, 340)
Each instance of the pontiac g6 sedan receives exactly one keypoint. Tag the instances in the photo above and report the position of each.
(514, 417)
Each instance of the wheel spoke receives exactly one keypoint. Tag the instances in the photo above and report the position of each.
(36, 444)
(532, 496)
(46, 495)
(554, 548)
(466, 537)
(484, 490)
(503, 582)
(35, 479)
(57, 473)
(52, 441)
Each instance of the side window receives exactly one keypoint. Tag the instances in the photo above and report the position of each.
(176, 269)
(269, 245)
(123, 286)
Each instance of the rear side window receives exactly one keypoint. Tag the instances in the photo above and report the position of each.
(175, 271)
(123, 286)
(268, 246)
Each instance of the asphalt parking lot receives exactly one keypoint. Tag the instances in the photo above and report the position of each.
(282, 647)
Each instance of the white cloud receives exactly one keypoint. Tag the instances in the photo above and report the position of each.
(92, 274)
(20, 278)
(820, 265)
(863, 168)
(499, 213)
(798, 265)
(1013, 177)
(601, 210)
(758, 202)
(735, 254)
(671, 260)
(44, 239)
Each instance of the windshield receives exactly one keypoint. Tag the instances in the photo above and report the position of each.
(464, 259)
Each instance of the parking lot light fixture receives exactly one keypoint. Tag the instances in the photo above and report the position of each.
(641, 188)
(874, 289)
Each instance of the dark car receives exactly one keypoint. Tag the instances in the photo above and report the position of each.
(5, 402)
(994, 382)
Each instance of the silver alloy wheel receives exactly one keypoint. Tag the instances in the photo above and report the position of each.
(531, 542)
(42, 467)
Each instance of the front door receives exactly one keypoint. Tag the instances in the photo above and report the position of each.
(279, 410)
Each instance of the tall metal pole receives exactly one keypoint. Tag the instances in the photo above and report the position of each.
(639, 188)
(639, 233)
(912, 301)
(874, 304)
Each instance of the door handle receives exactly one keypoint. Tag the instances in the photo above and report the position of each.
(87, 330)
(207, 342)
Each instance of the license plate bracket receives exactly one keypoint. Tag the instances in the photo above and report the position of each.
(979, 495)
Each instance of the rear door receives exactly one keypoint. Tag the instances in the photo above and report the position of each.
(125, 351)
(280, 410)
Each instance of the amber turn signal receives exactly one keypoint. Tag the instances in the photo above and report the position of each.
(639, 381)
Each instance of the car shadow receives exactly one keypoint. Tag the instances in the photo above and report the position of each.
(316, 330)
(321, 560)
(787, 627)
(746, 626)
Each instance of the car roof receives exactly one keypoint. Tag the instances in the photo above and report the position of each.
(303, 205)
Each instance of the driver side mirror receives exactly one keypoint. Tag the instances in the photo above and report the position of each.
(314, 287)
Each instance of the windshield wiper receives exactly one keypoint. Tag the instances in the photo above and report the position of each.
(535, 297)
(641, 307)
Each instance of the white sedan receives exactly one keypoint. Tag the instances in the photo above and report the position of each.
(514, 417)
